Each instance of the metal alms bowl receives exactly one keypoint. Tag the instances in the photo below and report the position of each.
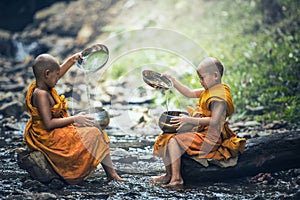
(101, 118)
(155, 80)
(165, 124)
(93, 58)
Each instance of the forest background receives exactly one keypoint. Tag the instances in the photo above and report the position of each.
(257, 40)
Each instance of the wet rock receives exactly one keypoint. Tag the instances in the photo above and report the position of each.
(263, 133)
(35, 163)
(44, 14)
(148, 158)
(128, 159)
(13, 108)
(255, 110)
(247, 134)
(245, 126)
(6, 96)
(118, 152)
(297, 195)
(252, 123)
(11, 127)
(56, 184)
(264, 178)
(85, 33)
(34, 185)
(6, 48)
(45, 195)
(277, 124)
(13, 87)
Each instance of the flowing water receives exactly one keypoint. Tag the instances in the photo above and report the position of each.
(132, 156)
(167, 100)
(90, 63)
(86, 81)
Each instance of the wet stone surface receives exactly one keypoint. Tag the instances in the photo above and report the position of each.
(132, 156)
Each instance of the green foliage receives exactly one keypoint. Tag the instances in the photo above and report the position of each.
(273, 70)
(261, 59)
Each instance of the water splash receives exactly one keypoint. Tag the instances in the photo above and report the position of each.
(23, 51)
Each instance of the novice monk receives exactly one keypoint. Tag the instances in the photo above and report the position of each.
(71, 144)
(209, 135)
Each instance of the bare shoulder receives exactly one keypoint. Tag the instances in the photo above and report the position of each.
(40, 97)
(39, 93)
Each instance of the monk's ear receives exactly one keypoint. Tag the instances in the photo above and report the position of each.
(216, 75)
(46, 73)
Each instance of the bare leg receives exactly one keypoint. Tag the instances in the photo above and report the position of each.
(175, 157)
(165, 178)
(109, 169)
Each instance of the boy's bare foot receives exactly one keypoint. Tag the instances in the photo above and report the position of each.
(174, 183)
(114, 177)
(161, 179)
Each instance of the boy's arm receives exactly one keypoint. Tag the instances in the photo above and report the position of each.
(218, 115)
(187, 92)
(43, 105)
(68, 64)
(215, 127)
(184, 90)
(42, 101)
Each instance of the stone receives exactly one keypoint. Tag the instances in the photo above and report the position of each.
(6, 47)
(277, 124)
(259, 110)
(35, 163)
(13, 108)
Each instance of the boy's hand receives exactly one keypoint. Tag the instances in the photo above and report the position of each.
(168, 76)
(76, 56)
(82, 119)
(180, 121)
(69, 63)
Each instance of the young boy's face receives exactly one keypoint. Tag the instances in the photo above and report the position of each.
(52, 77)
(207, 78)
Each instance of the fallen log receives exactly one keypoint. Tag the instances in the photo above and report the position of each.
(280, 151)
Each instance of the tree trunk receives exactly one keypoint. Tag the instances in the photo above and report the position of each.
(280, 151)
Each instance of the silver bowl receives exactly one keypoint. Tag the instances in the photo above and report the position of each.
(156, 80)
(101, 118)
(93, 58)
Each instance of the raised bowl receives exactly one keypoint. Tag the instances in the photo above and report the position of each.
(156, 80)
(93, 58)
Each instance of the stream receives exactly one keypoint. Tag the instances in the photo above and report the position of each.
(132, 157)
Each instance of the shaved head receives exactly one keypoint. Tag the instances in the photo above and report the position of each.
(44, 62)
(211, 65)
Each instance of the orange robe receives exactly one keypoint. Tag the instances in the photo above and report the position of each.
(73, 152)
(206, 141)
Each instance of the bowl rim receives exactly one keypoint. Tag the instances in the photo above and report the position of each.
(178, 111)
(147, 74)
(90, 51)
